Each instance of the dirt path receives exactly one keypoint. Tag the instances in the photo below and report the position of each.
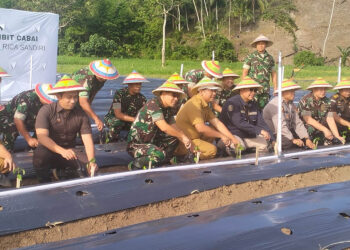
(194, 203)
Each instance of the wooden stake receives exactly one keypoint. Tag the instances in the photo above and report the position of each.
(256, 156)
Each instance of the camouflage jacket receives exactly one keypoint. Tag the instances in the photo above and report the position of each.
(129, 104)
(318, 110)
(260, 67)
(223, 95)
(24, 106)
(341, 106)
(87, 79)
(194, 75)
(144, 128)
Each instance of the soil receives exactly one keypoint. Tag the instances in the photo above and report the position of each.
(194, 203)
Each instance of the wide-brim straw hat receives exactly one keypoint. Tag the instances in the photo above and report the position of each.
(3, 73)
(206, 83)
(177, 79)
(213, 68)
(134, 77)
(42, 90)
(66, 84)
(104, 69)
(343, 84)
(319, 83)
(169, 87)
(288, 84)
(228, 72)
(247, 83)
(261, 38)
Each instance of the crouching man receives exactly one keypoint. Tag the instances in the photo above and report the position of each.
(6, 166)
(193, 119)
(294, 133)
(57, 125)
(241, 115)
(153, 136)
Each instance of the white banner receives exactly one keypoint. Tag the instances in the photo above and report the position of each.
(28, 50)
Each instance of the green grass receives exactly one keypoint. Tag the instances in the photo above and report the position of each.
(152, 68)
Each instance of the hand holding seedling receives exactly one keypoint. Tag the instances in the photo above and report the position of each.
(9, 164)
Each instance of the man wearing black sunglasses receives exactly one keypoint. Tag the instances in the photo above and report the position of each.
(243, 118)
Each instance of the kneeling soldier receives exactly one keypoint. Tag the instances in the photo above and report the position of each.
(126, 104)
(242, 116)
(153, 136)
(293, 130)
(340, 105)
(315, 110)
(57, 125)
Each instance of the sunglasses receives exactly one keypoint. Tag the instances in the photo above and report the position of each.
(252, 89)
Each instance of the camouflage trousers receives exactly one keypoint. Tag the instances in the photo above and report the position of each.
(262, 99)
(317, 135)
(160, 152)
(9, 135)
(115, 126)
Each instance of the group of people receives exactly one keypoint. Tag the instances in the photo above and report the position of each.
(195, 114)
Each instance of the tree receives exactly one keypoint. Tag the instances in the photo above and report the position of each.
(344, 53)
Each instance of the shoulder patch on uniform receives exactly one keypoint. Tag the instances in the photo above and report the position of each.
(230, 108)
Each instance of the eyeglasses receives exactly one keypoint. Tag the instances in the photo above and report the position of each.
(252, 89)
(175, 95)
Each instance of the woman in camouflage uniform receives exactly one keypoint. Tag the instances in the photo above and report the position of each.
(153, 136)
(126, 104)
(315, 110)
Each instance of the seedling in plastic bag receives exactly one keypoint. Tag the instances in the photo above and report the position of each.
(198, 153)
(238, 151)
(315, 141)
(19, 172)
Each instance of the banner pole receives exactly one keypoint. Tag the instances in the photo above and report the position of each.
(181, 69)
(339, 70)
(279, 91)
(31, 72)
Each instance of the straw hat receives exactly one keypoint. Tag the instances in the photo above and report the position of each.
(66, 84)
(319, 83)
(104, 69)
(134, 77)
(169, 87)
(288, 84)
(177, 79)
(261, 38)
(3, 73)
(343, 84)
(247, 83)
(206, 83)
(228, 72)
(213, 68)
(42, 89)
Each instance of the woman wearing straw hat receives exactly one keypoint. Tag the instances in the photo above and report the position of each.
(126, 104)
(259, 66)
(153, 136)
(294, 132)
(315, 110)
(194, 115)
(228, 78)
(340, 105)
(242, 117)
(20, 113)
(93, 79)
(57, 125)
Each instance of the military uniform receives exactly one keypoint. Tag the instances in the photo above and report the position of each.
(260, 67)
(341, 106)
(194, 75)
(244, 120)
(129, 105)
(222, 96)
(318, 110)
(89, 81)
(146, 142)
(24, 106)
(292, 126)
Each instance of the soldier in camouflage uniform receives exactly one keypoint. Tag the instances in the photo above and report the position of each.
(227, 89)
(153, 136)
(315, 110)
(20, 113)
(93, 79)
(126, 104)
(6, 166)
(259, 66)
(340, 105)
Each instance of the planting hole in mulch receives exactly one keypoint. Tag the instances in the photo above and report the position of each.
(81, 193)
(345, 215)
(295, 158)
(193, 215)
(110, 233)
(207, 172)
(313, 190)
(149, 181)
(286, 231)
(257, 202)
